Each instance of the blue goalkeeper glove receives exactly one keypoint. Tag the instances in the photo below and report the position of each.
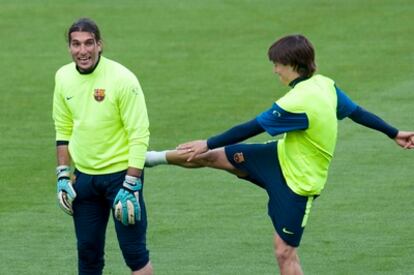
(65, 192)
(126, 204)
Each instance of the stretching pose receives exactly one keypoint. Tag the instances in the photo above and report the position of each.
(294, 169)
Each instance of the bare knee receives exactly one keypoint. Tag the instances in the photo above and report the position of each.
(285, 253)
(146, 270)
(286, 257)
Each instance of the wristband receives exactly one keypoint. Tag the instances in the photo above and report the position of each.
(63, 171)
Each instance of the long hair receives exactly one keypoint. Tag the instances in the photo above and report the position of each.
(84, 25)
(295, 50)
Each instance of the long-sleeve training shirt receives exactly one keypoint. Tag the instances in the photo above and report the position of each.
(103, 117)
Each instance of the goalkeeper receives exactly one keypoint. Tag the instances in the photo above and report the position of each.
(101, 126)
(293, 170)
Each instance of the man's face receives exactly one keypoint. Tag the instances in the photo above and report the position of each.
(84, 50)
(286, 73)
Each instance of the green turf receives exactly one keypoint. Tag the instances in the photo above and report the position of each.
(203, 68)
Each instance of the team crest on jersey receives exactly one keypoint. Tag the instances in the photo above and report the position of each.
(238, 157)
(99, 94)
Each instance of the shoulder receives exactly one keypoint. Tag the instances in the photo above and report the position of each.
(65, 70)
(317, 80)
(118, 70)
(121, 77)
(314, 87)
(306, 93)
(66, 75)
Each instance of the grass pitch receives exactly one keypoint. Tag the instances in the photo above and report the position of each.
(203, 68)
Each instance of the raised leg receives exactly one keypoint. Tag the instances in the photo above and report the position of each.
(213, 158)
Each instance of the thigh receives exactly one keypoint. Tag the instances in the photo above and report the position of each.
(289, 213)
(132, 240)
(287, 210)
(90, 210)
(90, 216)
(258, 162)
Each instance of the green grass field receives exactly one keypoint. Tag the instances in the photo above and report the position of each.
(203, 68)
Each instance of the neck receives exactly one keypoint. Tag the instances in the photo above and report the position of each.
(90, 70)
(297, 80)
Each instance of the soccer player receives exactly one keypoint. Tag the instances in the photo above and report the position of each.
(101, 126)
(293, 170)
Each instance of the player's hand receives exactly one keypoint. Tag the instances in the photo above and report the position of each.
(126, 204)
(405, 139)
(193, 148)
(65, 192)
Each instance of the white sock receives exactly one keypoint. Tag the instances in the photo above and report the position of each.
(154, 158)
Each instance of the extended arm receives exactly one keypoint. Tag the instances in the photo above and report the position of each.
(347, 108)
(274, 121)
(236, 134)
(367, 119)
(370, 120)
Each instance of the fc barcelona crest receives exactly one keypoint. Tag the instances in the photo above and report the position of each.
(238, 157)
(99, 94)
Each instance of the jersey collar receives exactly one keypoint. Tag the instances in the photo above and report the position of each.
(297, 80)
(90, 70)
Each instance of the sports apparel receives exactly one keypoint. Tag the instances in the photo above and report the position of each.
(236, 134)
(92, 209)
(294, 171)
(103, 116)
(66, 195)
(291, 122)
(65, 192)
(288, 211)
(305, 155)
(276, 123)
(154, 158)
(363, 117)
(126, 203)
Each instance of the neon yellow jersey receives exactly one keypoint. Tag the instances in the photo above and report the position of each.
(104, 117)
(305, 155)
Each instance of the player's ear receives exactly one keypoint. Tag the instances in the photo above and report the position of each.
(100, 45)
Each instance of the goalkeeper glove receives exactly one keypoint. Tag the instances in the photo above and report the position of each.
(126, 204)
(65, 192)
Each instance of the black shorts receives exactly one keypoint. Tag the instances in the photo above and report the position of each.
(287, 210)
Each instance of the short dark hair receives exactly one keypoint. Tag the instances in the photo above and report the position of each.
(84, 25)
(295, 50)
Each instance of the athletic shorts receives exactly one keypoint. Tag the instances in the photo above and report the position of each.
(287, 210)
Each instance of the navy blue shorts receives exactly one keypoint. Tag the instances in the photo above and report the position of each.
(287, 210)
(91, 210)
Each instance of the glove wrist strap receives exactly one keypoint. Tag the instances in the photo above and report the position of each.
(63, 171)
(132, 184)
